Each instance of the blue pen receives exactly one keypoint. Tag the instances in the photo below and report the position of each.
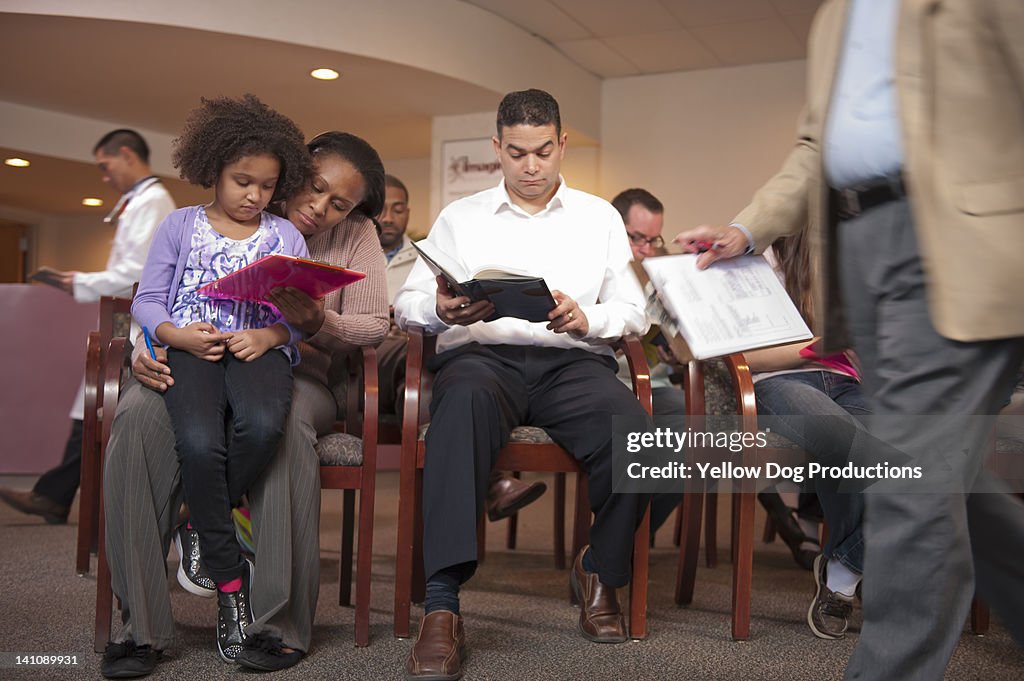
(149, 342)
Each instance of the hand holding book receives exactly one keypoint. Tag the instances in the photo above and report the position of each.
(458, 310)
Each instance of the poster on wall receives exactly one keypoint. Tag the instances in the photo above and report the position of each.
(467, 166)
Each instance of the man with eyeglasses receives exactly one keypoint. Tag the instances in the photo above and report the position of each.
(644, 217)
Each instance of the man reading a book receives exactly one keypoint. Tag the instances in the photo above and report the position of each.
(494, 376)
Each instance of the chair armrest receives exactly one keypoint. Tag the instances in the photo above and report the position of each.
(370, 425)
(114, 364)
(639, 371)
(743, 383)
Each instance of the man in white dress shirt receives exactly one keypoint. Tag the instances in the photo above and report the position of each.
(494, 376)
(123, 158)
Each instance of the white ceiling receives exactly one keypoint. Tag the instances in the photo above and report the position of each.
(149, 75)
(614, 38)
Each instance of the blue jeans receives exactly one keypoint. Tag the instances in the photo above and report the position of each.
(822, 393)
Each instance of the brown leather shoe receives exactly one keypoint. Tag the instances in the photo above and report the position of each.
(28, 501)
(506, 495)
(440, 648)
(601, 619)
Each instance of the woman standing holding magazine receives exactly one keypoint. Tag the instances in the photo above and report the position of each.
(142, 490)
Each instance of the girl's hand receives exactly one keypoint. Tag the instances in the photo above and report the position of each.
(299, 309)
(252, 343)
(201, 339)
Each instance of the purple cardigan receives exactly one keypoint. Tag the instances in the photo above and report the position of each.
(166, 265)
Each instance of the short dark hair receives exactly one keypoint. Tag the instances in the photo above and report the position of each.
(392, 181)
(111, 143)
(629, 198)
(363, 157)
(529, 107)
(223, 130)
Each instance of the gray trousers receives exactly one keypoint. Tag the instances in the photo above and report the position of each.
(142, 495)
(925, 551)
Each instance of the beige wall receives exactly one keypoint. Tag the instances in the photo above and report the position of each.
(701, 141)
(415, 175)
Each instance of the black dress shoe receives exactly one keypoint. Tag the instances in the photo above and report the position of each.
(234, 614)
(787, 528)
(265, 652)
(29, 502)
(128, 661)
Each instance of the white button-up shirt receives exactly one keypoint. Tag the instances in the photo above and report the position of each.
(577, 243)
(148, 203)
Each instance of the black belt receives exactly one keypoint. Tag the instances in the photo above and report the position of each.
(856, 200)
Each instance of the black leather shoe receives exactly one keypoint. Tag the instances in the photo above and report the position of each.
(128, 661)
(234, 614)
(191, 574)
(787, 527)
(265, 652)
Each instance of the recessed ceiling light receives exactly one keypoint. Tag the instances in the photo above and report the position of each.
(90, 201)
(324, 74)
(17, 162)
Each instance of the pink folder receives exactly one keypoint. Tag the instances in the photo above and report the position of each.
(255, 281)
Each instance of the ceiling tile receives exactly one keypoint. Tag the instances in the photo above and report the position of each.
(598, 58)
(751, 42)
(619, 17)
(800, 25)
(664, 51)
(703, 13)
(539, 17)
(787, 7)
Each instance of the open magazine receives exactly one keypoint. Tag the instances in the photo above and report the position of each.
(733, 306)
(256, 280)
(514, 293)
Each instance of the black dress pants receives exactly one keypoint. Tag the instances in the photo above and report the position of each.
(480, 394)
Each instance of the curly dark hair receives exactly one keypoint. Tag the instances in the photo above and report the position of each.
(222, 130)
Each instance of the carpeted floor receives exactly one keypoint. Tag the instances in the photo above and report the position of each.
(518, 620)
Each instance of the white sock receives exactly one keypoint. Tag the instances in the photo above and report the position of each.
(841, 579)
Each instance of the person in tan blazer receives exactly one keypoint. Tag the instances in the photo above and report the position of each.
(908, 173)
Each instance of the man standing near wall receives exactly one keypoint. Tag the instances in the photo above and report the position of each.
(123, 158)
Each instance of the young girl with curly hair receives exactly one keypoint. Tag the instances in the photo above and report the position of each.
(225, 355)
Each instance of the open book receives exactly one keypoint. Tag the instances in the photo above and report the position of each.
(514, 294)
(733, 306)
(256, 280)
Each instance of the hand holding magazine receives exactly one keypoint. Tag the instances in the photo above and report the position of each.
(513, 293)
(733, 306)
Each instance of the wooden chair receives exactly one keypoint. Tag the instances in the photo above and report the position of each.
(114, 320)
(348, 462)
(528, 450)
(781, 451)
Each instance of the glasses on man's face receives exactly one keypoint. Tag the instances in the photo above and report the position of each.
(639, 240)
